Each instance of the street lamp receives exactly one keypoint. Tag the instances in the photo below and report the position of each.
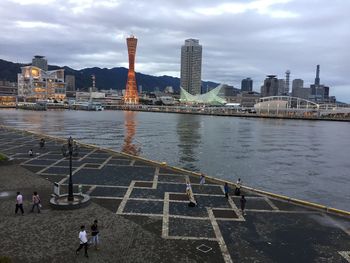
(71, 151)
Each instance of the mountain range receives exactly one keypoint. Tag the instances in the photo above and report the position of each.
(114, 78)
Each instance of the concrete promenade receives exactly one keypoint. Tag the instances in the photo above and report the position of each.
(143, 213)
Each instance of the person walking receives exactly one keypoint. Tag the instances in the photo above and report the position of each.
(243, 201)
(201, 181)
(226, 190)
(19, 203)
(188, 188)
(30, 152)
(83, 241)
(42, 143)
(36, 202)
(238, 187)
(95, 240)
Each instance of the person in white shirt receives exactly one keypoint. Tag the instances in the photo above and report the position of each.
(83, 241)
(19, 203)
(30, 152)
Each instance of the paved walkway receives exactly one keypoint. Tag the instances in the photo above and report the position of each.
(143, 208)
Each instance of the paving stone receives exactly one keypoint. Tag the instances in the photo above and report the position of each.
(207, 189)
(143, 184)
(57, 170)
(164, 170)
(253, 203)
(274, 237)
(181, 188)
(147, 193)
(182, 208)
(179, 197)
(109, 191)
(34, 169)
(145, 207)
(212, 201)
(41, 162)
(109, 175)
(110, 204)
(119, 162)
(190, 228)
(175, 178)
(99, 155)
(218, 213)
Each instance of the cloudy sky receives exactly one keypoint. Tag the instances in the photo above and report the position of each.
(243, 38)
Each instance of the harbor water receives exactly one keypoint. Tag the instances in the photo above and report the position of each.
(308, 160)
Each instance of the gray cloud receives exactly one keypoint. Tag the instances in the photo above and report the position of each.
(240, 38)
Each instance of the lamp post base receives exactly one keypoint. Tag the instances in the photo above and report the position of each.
(62, 203)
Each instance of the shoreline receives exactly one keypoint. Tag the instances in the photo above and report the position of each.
(313, 205)
(230, 114)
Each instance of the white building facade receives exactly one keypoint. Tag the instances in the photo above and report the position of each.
(37, 84)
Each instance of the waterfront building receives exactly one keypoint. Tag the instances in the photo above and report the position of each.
(247, 85)
(319, 93)
(210, 98)
(37, 84)
(131, 95)
(191, 66)
(40, 62)
(8, 93)
(270, 87)
(249, 99)
(303, 93)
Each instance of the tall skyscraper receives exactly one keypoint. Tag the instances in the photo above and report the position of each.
(247, 85)
(191, 66)
(40, 62)
(270, 87)
(286, 90)
(131, 96)
(317, 79)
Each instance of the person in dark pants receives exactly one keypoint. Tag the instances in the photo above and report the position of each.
(36, 202)
(19, 203)
(95, 235)
(226, 190)
(83, 241)
(243, 201)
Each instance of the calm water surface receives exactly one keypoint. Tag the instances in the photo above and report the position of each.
(302, 159)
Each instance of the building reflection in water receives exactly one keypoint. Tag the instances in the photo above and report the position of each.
(188, 130)
(129, 130)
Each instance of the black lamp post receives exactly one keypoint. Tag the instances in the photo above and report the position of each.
(72, 151)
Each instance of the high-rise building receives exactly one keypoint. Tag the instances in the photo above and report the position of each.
(298, 89)
(317, 79)
(281, 87)
(131, 96)
(40, 62)
(191, 66)
(70, 83)
(247, 85)
(286, 90)
(270, 87)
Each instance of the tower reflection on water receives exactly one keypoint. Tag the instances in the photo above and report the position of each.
(129, 145)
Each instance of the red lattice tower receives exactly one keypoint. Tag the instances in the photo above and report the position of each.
(131, 96)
